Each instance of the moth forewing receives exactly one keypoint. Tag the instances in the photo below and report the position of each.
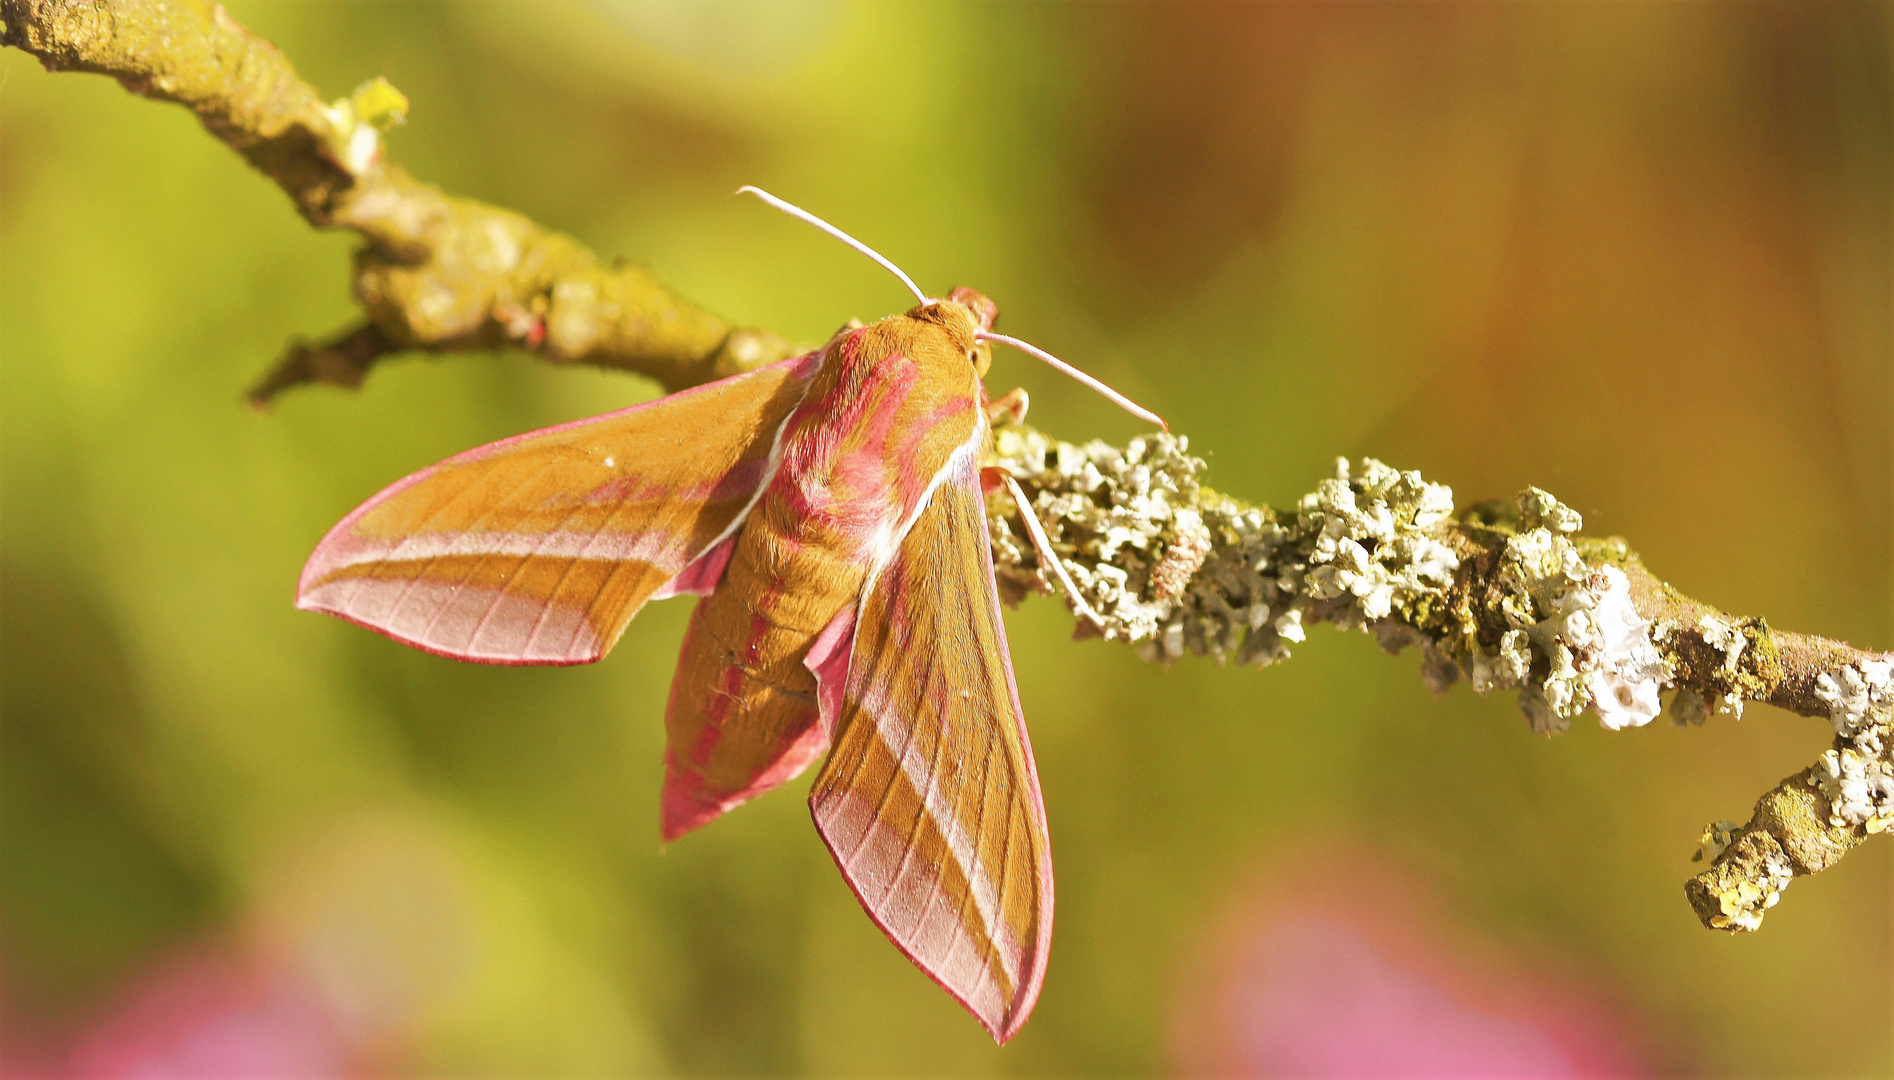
(930, 802)
(538, 549)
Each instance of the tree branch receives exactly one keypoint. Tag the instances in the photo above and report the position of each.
(434, 272)
(1509, 594)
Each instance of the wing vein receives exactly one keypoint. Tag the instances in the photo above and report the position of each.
(519, 573)
(539, 621)
(900, 774)
(485, 515)
(999, 901)
(927, 808)
(394, 555)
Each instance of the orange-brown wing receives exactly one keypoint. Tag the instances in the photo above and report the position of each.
(540, 548)
(929, 801)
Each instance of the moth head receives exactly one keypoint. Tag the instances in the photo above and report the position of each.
(963, 318)
(983, 313)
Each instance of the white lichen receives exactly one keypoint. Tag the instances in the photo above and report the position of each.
(1576, 641)
(1538, 508)
(1728, 639)
(1857, 775)
(1627, 670)
(1507, 667)
(1723, 637)
(1176, 570)
(1716, 839)
(1747, 899)
(1858, 695)
(1288, 625)
(1859, 787)
(1360, 545)
(1113, 518)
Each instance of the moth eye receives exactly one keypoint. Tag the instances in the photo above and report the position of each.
(981, 360)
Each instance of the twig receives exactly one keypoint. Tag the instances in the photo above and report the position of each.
(434, 272)
(1510, 595)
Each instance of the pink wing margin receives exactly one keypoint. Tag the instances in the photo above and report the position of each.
(930, 801)
(540, 548)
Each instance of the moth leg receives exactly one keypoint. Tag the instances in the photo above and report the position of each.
(1010, 406)
(992, 479)
(1043, 545)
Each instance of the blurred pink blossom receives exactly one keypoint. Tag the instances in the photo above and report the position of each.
(1336, 969)
(204, 1014)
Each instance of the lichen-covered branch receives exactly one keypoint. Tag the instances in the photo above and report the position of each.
(1509, 595)
(434, 272)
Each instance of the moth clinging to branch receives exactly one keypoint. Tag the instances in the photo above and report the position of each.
(828, 509)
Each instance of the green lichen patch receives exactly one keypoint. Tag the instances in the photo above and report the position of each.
(1175, 569)
(1509, 596)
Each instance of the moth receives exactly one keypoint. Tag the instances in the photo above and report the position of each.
(829, 512)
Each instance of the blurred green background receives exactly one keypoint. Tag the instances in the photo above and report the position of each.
(1635, 254)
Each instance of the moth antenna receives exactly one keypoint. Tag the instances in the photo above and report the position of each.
(798, 212)
(795, 211)
(1122, 401)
